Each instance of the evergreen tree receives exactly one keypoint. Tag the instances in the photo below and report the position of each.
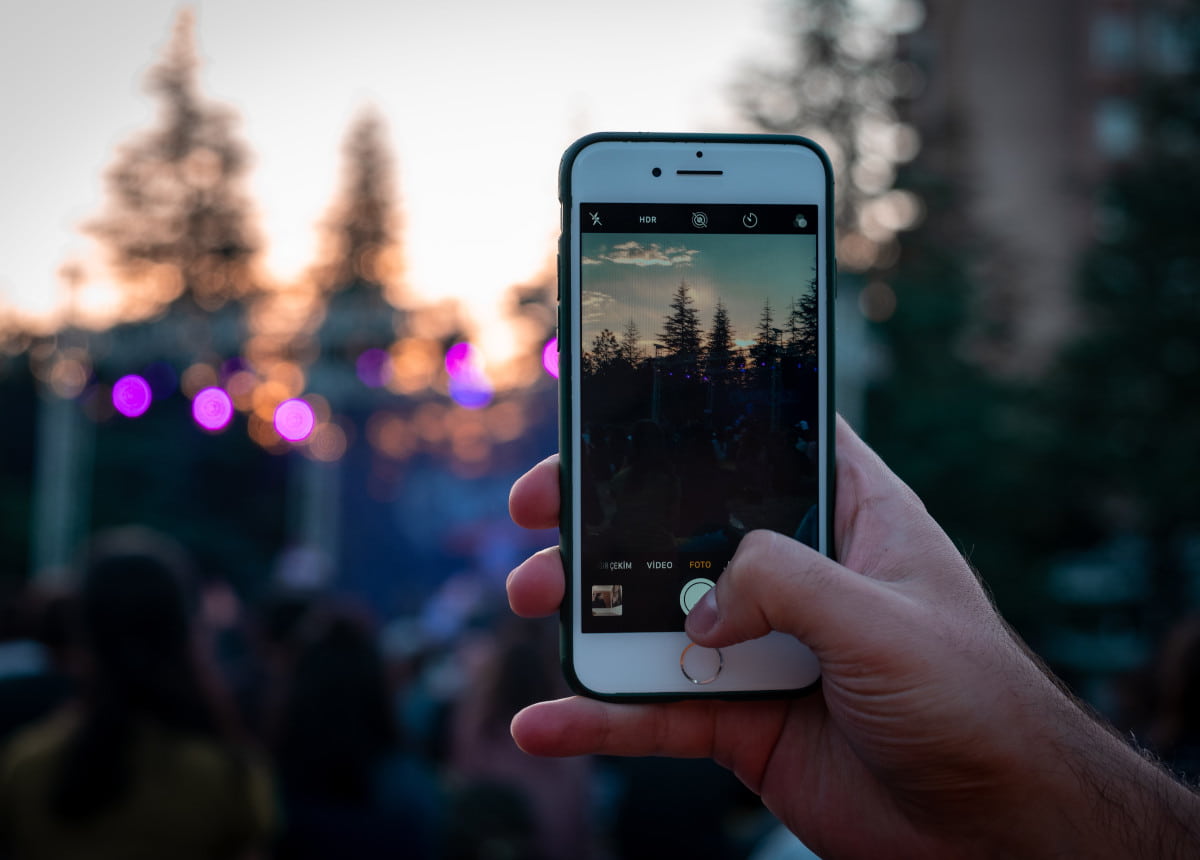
(839, 86)
(1125, 397)
(721, 349)
(937, 415)
(629, 350)
(802, 321)
(177, 221)
(362, 231)
(681, 329)
(605, 351)
(361, 260)
(766, 339)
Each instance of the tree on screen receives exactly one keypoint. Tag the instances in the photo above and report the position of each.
(681, 328)
(629, 350)
(721, 350)
(604, 353)
(801, 328)
(766, 339)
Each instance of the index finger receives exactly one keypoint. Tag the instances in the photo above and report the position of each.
(534, 499)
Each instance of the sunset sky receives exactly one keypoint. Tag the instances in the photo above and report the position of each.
(742, 271)
(480, 99)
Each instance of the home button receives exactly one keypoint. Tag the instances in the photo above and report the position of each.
(701, 665)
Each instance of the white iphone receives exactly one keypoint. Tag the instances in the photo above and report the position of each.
(696, 278)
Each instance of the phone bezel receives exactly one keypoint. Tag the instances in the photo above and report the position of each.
(618, 168)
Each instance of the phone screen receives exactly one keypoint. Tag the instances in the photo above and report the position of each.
(698, 394)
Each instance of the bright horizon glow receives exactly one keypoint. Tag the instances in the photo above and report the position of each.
(476, 142)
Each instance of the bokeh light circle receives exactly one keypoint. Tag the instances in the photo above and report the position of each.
(212, 409)
(469, 385)
(131, 395)
(550, 357)
(460, 359)
(471, 391)
(374, 368)
(294, 420)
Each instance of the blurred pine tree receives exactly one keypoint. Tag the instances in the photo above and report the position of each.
(177, 223)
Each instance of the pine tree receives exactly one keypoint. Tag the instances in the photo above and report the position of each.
(681, 328)
(177, 222)
(629, 350)
(721, 349)
(766, 339)
(802, 325)
(605, 350)
(362, 228)
(361, 260)
(1126, 392)
(839, 86)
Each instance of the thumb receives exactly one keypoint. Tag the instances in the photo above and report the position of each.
(776, 583)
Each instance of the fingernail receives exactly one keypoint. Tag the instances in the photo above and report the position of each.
(703, 617)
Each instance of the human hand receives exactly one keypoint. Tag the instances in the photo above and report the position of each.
(934, 731)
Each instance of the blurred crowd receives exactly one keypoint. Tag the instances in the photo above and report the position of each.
(146, 712)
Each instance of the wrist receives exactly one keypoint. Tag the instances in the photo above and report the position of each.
(1095, 795)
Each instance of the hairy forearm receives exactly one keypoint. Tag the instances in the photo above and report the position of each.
(1102, 797)
(1136, 808)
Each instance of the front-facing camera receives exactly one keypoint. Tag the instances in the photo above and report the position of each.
(656, 171)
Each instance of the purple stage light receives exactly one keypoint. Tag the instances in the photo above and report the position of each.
(294, 420)
(212, 409)
(232, 366)
(469, 385)
(550, 357)
(460, 359)
(131, 395)
(471, 391)
(373, 368)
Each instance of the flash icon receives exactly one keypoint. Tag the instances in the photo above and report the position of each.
(595, 219)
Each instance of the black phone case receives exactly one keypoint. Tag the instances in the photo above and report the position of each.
(566, 341)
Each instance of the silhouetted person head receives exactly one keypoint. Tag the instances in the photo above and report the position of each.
(136, 609)
(142, 667)
(337, 720)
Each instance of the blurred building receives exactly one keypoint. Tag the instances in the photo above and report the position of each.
(1026, 109)
(1029, 105)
